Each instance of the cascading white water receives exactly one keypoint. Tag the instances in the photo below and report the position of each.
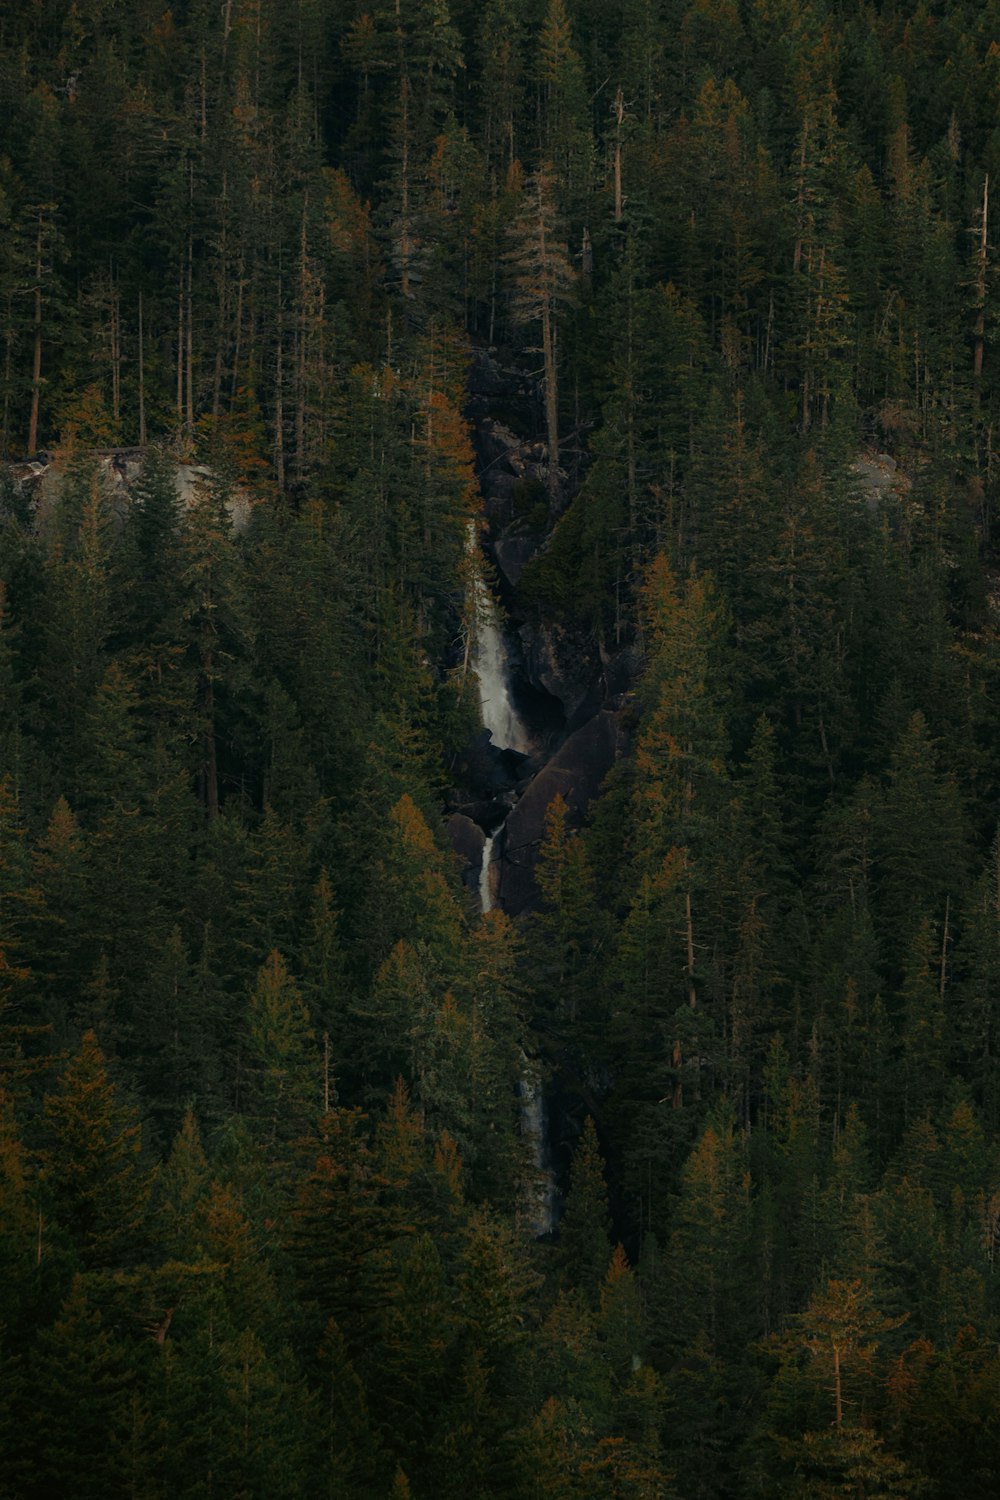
(485, 883)
(500, 716)
(509, 732)
(540, 1199)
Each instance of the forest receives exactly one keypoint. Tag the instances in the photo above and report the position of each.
(392, 1108)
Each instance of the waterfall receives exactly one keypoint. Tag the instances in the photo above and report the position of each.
(500, 716)
(485, 884)
(509, 732)
(539, 1205)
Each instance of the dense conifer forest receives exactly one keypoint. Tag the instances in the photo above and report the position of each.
(611, 1109)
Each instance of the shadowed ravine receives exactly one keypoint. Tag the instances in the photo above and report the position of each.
(508, 731)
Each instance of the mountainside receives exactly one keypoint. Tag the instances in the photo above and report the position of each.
(499, 750)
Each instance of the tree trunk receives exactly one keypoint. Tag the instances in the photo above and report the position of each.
(7, 376)
(551, 396)
(180, 350)
(279, 403)
(619, 118)
(404, 213)
(302, 344)
(800, 204)
(211, 769)
(142, 384)
(234, 387)
(981, 267)
(189, 412)
(36, 363)
(116, 360)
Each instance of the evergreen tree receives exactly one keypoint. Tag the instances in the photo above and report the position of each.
(95, 1186)
(279, 1096)
(584, 1232)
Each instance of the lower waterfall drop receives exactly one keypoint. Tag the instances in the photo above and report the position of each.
(508, 732)
(485, 882)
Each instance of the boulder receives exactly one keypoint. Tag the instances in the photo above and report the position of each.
(497, 446)
(500, 492)
(488, 813)
(879, 479)
(488, 770)
(558, 659)
(575, 772)
(486, 377)
(468, 842)
(513, 554)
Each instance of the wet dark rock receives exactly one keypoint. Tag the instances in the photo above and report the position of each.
(513, 555)
(500, 501)
(488, 813)
(486, 379)
(559, 660)
(575, 772)
(498, 448)
(490, 771)
(468, 841)
(621, 670)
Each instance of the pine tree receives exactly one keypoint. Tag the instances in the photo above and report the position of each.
(564, 136)
(707, 1247)
(56, 926)
(840, 1331)
(349, 1457)
(921, 839)
(282, 1091)
(584, 1233)
(94, 1184)
(678, 796)
(924, 1059)
(182, 1187)
(567, 930)
(78, 1390)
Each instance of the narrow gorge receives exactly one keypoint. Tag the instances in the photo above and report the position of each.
(552, 719)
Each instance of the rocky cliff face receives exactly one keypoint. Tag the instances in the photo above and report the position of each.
(39, 481)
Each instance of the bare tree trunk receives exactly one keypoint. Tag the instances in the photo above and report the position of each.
(36, 362)
(8, 353)
(404, 216)
(211, 768)
(619, 119)
(631, 460)
(800, 200)
(189, 412)
(945, 939)
(551, 396)
(142, 384)
(691, 988)
(222, 309)
(981, 268)
(180, 350)
(239, 333)
(677, 1060)
(116, 358)
(279, 402)
(301, 348)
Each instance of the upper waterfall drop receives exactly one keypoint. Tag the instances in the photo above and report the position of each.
(490, 662)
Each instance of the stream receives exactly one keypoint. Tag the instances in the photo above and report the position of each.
(508, 731)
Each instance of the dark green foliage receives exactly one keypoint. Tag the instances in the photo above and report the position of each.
(734, 265)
